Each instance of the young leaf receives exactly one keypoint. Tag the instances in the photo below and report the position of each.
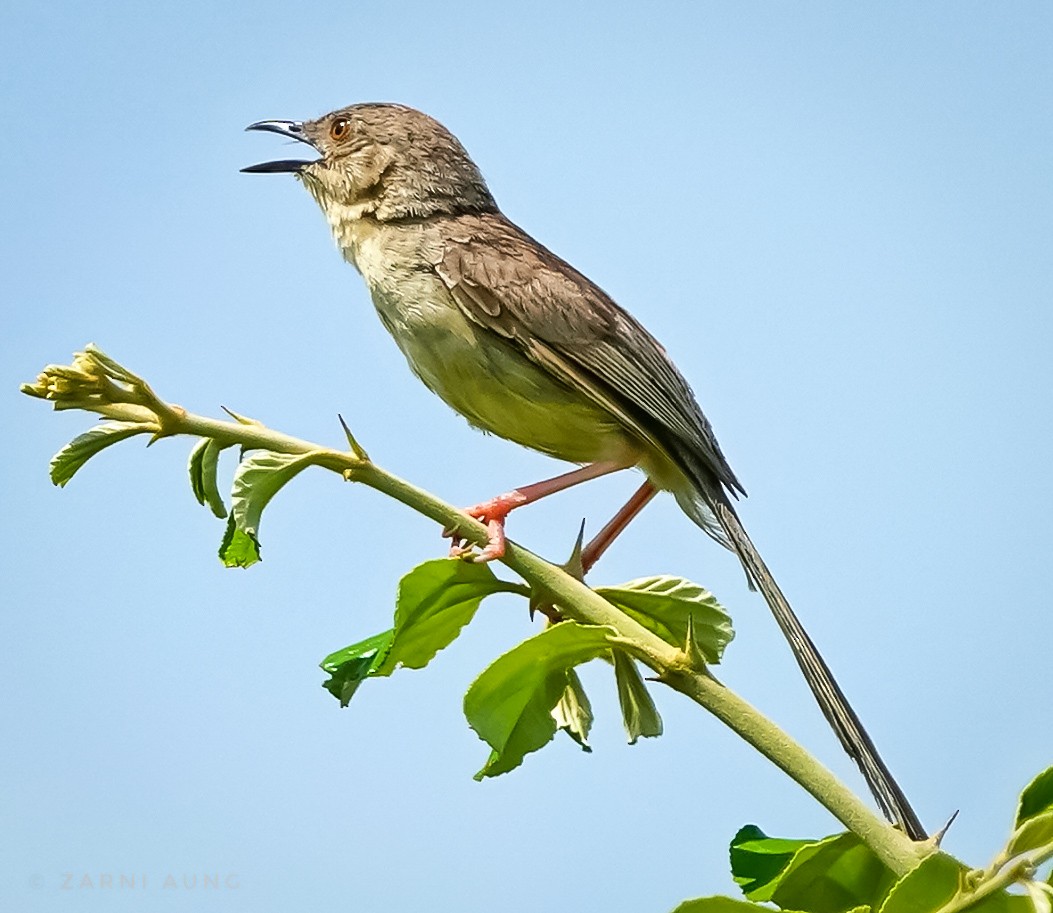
(935, 882)
(202, 465)
(1036, 798)
(757, 860)
(76, 453)
(238, 548)
(573, 712)
(832, 875)
(510, 704)
(639, 713)
(663, 605)
(1034, 833)
(435, 601)
(256, 480)
(730, 905)
(825, 876)
(349, 667)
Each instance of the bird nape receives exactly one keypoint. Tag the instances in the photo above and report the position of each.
(526, 347)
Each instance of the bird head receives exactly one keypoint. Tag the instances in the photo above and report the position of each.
(383, 161)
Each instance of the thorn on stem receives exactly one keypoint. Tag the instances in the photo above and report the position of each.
(240, 419)
(937, 838)
(356, 448)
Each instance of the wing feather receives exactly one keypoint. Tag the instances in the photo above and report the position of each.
(505, 281)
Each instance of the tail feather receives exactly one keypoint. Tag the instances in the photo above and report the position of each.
(831, 699)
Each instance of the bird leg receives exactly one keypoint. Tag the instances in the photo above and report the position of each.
(616, 525)
(494, 511)
(600, 543)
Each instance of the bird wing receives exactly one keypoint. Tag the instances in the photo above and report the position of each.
(506, 282)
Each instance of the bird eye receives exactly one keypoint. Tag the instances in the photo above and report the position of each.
(339, 128)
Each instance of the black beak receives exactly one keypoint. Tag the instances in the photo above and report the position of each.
(290, 129)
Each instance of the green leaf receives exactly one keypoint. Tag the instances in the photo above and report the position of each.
(663, 605)
(1034, 833)
(202, 465)
(927, 887)
(639, 713)
(940, 880)
(833, 875)
(238, 548)
(435, 601)
(76, 453)
(573, 712)
(730, 905)
(257, 479)
(510, 704)
(1036, 798)
(757, 860)
(349, 667)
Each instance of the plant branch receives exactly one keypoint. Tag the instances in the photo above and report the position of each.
(96, 383)
(1019, 869)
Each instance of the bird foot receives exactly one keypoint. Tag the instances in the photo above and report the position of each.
(493, 514)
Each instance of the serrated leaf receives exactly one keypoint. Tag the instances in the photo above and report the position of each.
(726, 905)
(259, 478)
(573, 712)
(639, 713)
(1036, 798)
(238, 548)
(833, 875)
(349, 667)
(757, 860)
(1035, 832)
(83, 447)
(663, 604)
(193, 468)
(938, 880)
(510, 704)
(435, 601)
(202, 466)
(929, 886)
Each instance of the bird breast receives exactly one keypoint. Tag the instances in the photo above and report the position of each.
(482, 376)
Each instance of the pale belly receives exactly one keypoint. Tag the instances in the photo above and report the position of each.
(494, 386)
(481, 375)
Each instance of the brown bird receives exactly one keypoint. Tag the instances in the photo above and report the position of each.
(526, 347)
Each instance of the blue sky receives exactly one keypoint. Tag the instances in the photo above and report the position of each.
(837, 217)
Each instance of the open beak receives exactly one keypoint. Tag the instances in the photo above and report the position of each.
(290, 129)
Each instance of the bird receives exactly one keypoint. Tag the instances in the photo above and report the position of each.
(527, 348)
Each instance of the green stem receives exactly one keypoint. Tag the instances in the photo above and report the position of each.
(671, 665)
(1017, 869)
(88, 385)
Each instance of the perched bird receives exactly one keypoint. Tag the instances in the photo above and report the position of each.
(526, 347)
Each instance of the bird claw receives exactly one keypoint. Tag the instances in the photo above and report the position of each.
(495, 545)
(493, 514)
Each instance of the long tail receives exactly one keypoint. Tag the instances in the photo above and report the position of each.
(831, 699)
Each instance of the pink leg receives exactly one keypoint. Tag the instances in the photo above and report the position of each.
(602, 540)
(494, 511)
